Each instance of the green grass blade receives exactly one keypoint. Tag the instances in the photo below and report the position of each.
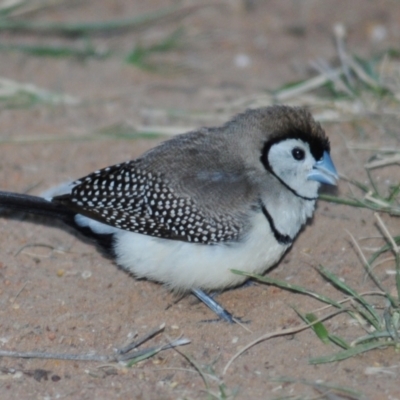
(347, 289)
(87, 28)
(393, 194)
(382, 250)
(142, 357)
(288, 286)
(339, 341)
(319, 328)
(54, 51)
(138, 56)
(342, 355)
(373, 183)
(358, 184)
(372, 337)
(341, 200)
(359, 204)
(321, 331)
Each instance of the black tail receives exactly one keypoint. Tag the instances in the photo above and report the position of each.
(40, 206)
(35, 205)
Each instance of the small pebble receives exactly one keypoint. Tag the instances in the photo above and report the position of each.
(86, 274)
(60, 273)
(242, 61)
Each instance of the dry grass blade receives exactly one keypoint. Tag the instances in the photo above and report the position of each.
(123, 355)
(304, 87)
(387, 233)
(10, 89)
(17, 8)
(385, 161)
(335, 391)
(142, 340)
(367, 265)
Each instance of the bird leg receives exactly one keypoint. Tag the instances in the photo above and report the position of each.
(213, 305)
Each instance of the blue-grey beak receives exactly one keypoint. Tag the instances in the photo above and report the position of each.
(324, 171)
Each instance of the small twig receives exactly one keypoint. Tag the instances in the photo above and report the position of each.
(26, 246)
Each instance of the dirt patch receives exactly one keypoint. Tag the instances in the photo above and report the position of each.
(60, 295)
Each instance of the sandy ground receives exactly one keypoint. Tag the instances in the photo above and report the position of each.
(58, 294)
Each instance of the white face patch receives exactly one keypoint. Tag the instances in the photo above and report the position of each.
(291, 161)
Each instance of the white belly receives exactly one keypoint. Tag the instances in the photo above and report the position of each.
(182, 265)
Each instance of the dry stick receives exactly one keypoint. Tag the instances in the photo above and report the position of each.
(282, 332)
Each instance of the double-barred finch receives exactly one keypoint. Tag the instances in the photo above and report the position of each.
(205, 202)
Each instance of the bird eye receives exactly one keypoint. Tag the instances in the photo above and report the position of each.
(298, 154)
